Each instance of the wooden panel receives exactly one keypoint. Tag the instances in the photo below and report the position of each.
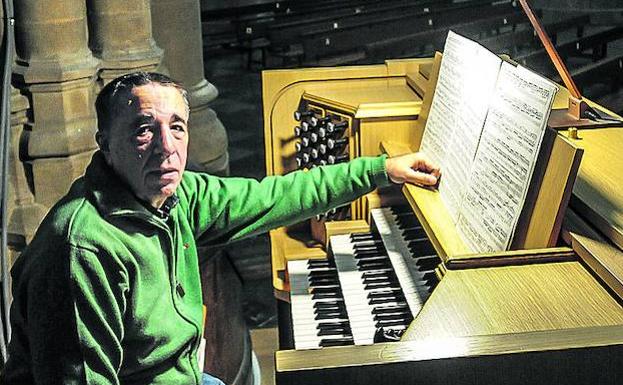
(604, 258)
(515, 299)
(406, 66)
(345, 227)
(597, 192)
(541, 219)
(281, 93)
(386, 97)
(513, 257)
(289, 244)
(373, 131)
(568, 356)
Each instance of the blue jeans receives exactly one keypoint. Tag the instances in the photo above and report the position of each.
(207, 379)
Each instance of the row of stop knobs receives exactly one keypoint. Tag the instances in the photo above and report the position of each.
(321, 140)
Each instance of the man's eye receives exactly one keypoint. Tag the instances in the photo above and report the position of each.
(178, 127)
(143, 131)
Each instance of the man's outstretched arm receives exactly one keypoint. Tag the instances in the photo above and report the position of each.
(231, 208)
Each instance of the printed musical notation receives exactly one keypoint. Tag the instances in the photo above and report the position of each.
(504, 163)
(466, 81)
(485, 128)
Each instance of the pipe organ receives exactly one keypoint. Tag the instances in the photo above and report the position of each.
(384, 291)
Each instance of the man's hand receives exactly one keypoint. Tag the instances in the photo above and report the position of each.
(413, 168)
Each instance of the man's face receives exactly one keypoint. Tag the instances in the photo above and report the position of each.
(148, 141)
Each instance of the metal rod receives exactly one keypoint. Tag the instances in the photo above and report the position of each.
(551, 51)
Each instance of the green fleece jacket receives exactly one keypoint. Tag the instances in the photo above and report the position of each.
(108, 291)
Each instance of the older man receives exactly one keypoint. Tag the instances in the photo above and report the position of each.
(108, 291)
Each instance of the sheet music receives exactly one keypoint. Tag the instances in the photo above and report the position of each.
(505, 159)
(467, 78)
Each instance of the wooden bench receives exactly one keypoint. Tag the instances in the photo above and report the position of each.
(596, 42)
(356, 36)
(289, 30)
(416, 44)
(285, 37)
(512, 41)
(608, 71)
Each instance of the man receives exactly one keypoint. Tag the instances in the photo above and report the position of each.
(108, 291)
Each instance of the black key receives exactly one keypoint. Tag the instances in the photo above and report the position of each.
(312, 263)
(327, 304)
(326, 295)
(383, 300)
(322, 274)
(370, 255)
(372, 243)
(385, 293)
(324, 332)
(369, 249)
(373, 265)
(317, 282)
(325, 289)
(407, 221)
(373, 273)
(391, 316)
(333, 330)
(379, 285)
(401, 322)
(414, 233)
(427, 263)
(389, 309)
(402, 209)
(421, 247)
(376, 279)
(343, 341)
(329, 308)
(321, 316)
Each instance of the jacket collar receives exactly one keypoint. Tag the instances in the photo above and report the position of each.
(113, 197)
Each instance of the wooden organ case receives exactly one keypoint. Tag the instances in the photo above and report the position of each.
(547, 311)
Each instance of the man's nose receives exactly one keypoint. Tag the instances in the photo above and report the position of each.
(165, 144)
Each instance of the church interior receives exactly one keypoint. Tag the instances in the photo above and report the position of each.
(225, 53)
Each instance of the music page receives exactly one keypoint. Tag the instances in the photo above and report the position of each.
(505, 159)
(466, 81)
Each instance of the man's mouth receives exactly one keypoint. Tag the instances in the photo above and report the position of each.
(168, 174)
(165, 174)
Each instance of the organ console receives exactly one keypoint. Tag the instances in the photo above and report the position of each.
(388, 294)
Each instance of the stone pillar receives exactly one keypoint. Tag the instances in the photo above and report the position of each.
(57, 70)
(24, 213)
(120, 36)
(177, 29)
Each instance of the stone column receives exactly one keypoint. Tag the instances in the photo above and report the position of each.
(24, 213)
(177, 29)
(120, 36)
(57, 70)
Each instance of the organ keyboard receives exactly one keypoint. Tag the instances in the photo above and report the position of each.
(547, 311)
(373, 283)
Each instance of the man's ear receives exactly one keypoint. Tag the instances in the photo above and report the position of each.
(102, 141)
